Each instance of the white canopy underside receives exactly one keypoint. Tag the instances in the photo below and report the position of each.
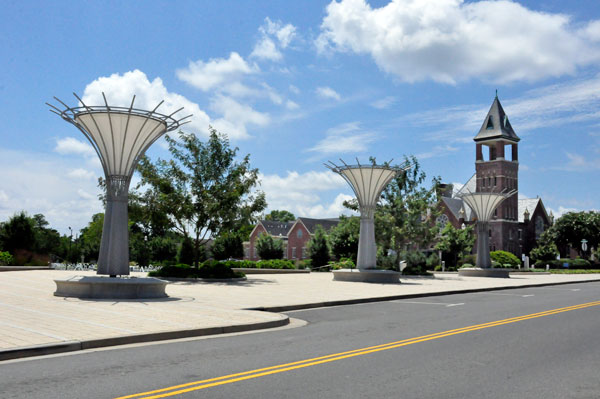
(120, 138)
(368, 182)
(483, 204)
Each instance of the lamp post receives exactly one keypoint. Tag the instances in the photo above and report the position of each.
(70, 244)
(120, 136)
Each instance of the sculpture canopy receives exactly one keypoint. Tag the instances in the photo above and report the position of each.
(120, 136)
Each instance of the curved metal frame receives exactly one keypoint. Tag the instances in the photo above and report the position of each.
(483, 203)
(114, 247)
(367, 202)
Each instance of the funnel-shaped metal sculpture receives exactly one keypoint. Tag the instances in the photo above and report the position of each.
(483, 205)
(120, 137)
(367, 182)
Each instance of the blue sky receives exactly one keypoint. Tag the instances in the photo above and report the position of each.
(295, 84)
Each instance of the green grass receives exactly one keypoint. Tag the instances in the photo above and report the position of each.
(574, 271)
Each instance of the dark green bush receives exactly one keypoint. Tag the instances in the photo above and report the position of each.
(416, 263)
(208, 269)
(275, 264)
(343, 263)
(503, 258)
(471, 259)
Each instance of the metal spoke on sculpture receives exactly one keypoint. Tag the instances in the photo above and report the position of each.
(367, 182)
(120, 136)
(483, 205)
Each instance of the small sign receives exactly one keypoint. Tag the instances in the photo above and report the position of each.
(566, 264)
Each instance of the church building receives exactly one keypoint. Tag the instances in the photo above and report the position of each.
(517, 223)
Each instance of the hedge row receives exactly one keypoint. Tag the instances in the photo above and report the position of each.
(208, 269)
(559, 263)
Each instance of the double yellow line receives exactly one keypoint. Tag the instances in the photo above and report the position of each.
(247, 375)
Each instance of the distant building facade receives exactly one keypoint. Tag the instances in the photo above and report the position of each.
(294, 235)
(518, 222)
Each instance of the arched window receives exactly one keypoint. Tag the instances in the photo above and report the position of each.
(299, 233)
(539, 226)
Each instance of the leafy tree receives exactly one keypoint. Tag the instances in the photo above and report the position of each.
(545, 250)
(203, 190)
(455, 243)
(91, 236)
(186, 252)
(269, 248)
(344, 238)
(281, 216)
(18, 233)
(573, 227)
(318, 248)
(227, 246)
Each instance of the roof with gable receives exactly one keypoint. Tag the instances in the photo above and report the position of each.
(277, 228)
(530, 204)
(311, 224)
(496, 125)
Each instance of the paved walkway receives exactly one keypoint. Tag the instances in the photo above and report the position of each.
(30, 314)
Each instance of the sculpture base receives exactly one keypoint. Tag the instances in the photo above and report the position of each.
(110, 287)
(478, 272)
(367, 276)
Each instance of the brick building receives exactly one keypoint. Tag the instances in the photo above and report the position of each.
(295, 236)
(518, 222)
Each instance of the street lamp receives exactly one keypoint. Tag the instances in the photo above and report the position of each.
(70, 243)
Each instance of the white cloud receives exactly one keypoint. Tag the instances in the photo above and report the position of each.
(294, 89)
(384, 102)
(327, 92)
(451, 40)
(43, 185)
(266, 49)
(236, 116)
(289, 104)
(215, 73)
(120, 89)
(81, 173)
(437, 151)
(578, 163)
(274, 35)
(301, 193)
(347, 137)
(550, 106)
(70, 145)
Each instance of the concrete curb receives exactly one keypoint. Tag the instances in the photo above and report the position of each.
(278, 309)
(71, 346)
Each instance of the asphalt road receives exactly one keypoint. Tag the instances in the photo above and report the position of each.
(457, 346)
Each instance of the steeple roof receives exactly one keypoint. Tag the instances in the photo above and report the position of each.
(496, 125)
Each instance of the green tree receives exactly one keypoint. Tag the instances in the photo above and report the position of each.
(18, 233)
(186, 252)
(91, 236)
(281, 216)
(344, 238)
(318, 248)
(203, 189)
(573, 227)
(228, 245)
(545, 250)
(455, 243)
(269, 248)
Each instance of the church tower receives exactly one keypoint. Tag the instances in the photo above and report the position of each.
(497, 167)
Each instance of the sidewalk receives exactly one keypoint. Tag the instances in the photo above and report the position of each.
(33, 321)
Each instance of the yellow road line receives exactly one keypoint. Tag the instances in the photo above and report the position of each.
(246, 375)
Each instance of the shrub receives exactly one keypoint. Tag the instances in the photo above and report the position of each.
(496, 264)
(208, 269)
(228, 245)
(503, 258)
(6, 258)
(275, 264)
(304, 264)
(559, 263)
(466, 265)
(471, 259)
(344, 263)
(415, 263)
